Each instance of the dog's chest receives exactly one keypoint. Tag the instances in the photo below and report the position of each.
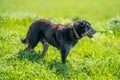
(68, 46)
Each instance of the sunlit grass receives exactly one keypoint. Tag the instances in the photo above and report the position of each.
(90, 59)
(93, 10)
(97, 58)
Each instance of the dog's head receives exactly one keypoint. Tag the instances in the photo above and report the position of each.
(84, 28)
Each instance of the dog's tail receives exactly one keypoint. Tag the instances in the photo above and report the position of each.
(24, 41)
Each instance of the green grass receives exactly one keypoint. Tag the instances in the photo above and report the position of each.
(90, 59)
(88, 9)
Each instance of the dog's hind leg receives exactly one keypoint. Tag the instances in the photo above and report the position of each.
(45, 48)
(32, 42)
(30, 47)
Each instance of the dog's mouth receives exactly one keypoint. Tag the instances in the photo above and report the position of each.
(90, 33)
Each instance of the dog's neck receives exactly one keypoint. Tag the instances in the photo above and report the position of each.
(76, 34)
(74, 31)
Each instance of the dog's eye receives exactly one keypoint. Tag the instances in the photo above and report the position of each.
(83, 23)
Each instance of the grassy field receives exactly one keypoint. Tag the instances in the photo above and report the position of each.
(90, 59)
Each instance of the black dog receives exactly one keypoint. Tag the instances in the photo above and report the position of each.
(63, 37)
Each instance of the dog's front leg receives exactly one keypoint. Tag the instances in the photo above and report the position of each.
(64, 54)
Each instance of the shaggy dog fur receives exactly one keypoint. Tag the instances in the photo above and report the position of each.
(63, 37)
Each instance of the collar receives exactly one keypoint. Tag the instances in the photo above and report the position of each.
(76, 34)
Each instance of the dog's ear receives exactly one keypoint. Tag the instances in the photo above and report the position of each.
(82, 23)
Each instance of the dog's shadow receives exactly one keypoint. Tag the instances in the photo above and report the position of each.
(37, 57)
(30, 55)
(60, 68)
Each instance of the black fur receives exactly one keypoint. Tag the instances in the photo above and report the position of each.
(60, 36)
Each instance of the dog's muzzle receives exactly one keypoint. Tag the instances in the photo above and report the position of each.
(90, 33)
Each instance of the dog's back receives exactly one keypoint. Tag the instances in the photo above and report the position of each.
(36, 30)
(39, 30)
